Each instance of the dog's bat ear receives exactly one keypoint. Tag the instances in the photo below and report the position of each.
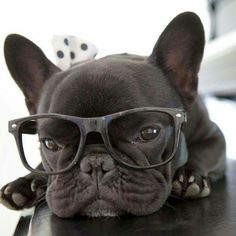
(178, 52)
(29, 67)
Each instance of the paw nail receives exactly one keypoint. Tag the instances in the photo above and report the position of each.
(191, 179)
(33, 187)
(176, 184)
(19, 199)
(176, 187)
(205, 192)
(205, 183)
(181, 178)
(192, 191)
(8, 190)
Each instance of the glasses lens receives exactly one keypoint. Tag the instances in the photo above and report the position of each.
(52, 141)
(142, 138)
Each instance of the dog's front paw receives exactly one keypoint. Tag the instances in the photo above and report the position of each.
(190, 183)
(23, 192)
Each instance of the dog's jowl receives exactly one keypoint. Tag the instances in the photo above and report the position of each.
(113, 132)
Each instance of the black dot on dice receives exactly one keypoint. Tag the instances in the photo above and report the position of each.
(72, 55)
(84, 46)
(66, 41)
(60, 54)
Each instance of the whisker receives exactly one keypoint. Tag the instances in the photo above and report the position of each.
(40, 203)
(40, 198)
(167, 204)
(177, 197)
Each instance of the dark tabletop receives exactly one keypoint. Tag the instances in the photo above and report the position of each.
(211, 216)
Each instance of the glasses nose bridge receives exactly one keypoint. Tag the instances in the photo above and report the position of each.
(95, 124)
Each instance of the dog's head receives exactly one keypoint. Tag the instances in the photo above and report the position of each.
(98, 185)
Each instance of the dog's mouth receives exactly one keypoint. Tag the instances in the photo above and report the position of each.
(124, 191)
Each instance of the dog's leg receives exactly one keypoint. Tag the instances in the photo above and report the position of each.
(206, 163)
(24, 192)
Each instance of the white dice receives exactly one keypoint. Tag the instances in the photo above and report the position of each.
(70, 50)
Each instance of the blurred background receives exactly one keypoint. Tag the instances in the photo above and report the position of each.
(131, 26)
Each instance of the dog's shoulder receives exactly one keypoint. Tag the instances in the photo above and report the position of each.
(199, 123)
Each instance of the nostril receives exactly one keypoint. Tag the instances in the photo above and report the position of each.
(86, 167)
(102, 163)
(108, 165)
(103, 171)
(90, 172)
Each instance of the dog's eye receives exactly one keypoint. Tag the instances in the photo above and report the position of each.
(149, 133)
(50, 145)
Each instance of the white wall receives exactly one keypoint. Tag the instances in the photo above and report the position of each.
(113, 26)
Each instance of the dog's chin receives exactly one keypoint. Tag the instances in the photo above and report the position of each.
(100, 208)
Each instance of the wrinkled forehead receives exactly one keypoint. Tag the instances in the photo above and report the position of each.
(91, 90)
(99, 88)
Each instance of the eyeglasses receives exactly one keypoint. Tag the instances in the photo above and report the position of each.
(139, 138)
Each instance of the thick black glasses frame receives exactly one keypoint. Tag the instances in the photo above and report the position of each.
(100, 125)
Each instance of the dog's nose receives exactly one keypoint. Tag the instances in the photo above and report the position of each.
(97, 163)
(96, 160)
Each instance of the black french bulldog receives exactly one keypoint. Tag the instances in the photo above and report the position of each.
(100, 186)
